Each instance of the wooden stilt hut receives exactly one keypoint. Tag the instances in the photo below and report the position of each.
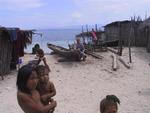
(12, 44)
(144, 30)
(121, 29)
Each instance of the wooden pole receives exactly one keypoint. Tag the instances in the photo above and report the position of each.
(129, 42)
(82, 29)
(83, 35)
(120, 40)
(91, 48)
(87, 30)
(96, 28)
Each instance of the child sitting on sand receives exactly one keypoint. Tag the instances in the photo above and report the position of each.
(42, 58)
(45, 87)
(109, 104)
(40, 55)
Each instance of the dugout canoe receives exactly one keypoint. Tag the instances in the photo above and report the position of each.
(64, 52)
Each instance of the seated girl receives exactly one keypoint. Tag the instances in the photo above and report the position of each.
(109, 104)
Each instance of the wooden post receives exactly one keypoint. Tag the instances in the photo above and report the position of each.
(114, 62)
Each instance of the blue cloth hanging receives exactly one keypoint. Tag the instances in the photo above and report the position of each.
(13, 33)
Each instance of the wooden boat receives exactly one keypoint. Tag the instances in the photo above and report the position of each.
(64, 52)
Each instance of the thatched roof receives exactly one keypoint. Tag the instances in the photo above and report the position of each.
(25, 35)
(116, 23)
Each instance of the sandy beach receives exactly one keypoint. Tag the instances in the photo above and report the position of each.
(81, 85)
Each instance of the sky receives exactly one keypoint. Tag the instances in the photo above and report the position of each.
(29, 14)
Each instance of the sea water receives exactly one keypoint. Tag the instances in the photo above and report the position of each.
(61, 37)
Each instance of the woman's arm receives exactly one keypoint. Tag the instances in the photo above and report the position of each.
(39, 60)
(30, 106)
(51, 94)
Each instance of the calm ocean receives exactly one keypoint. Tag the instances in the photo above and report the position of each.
(61, 37)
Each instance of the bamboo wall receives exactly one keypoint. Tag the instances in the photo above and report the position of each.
(148, 46)
(125, 31)
(141, 39)
(112, 33)
(148, 40)
(5, 53)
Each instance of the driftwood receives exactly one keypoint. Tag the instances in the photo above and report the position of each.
(114, 62)
(112, 50)
(124, 63)
(94, 55)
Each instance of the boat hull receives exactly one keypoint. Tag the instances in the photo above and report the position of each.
(64, 52)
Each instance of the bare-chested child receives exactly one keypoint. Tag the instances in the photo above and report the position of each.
(27, 95)
(40, 55)
(109, 104)
(45, 87)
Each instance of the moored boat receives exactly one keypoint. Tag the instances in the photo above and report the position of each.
(64, 52)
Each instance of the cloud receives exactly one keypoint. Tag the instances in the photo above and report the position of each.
(77, 12)
(76, 15)
(20, 4)
(105, 11)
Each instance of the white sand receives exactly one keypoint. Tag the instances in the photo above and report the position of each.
(81, 85)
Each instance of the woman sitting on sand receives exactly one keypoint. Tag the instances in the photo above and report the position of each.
(109, 104)
(27, 95)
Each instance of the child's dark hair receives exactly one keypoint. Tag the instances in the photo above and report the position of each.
(40, 69)
(22, 78)
(109, 101)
